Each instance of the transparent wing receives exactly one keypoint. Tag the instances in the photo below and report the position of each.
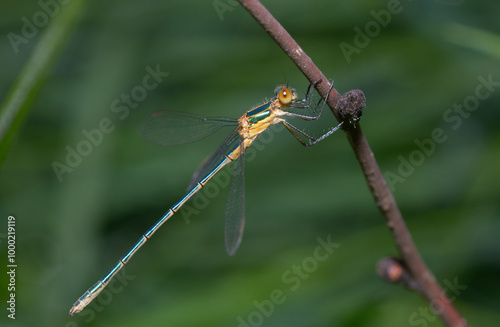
(235, 207)
(215, 158)
(173, 128)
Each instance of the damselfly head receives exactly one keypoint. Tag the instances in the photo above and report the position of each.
(285, 95)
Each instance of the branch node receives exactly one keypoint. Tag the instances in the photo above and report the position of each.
(395, 271)
(350, 105)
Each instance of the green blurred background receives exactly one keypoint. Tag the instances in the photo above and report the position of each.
(413, 71)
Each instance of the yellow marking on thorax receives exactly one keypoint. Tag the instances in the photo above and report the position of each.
(250, 131)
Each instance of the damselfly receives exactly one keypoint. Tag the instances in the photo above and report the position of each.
(171, 128)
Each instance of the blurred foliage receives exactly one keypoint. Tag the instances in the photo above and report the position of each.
(428, 59)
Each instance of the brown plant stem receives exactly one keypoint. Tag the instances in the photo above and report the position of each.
(424, 279)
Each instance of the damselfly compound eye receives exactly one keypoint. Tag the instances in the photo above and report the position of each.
(285, 95)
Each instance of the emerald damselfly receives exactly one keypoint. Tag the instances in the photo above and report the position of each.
(172, 128)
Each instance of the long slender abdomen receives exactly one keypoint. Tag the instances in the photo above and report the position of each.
(97, 288)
